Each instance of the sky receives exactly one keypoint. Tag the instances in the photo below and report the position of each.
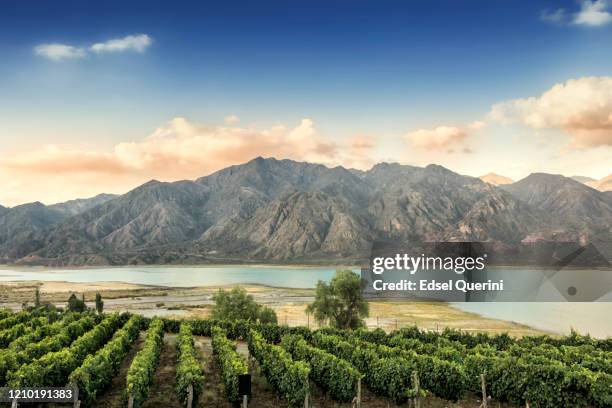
(103, 96)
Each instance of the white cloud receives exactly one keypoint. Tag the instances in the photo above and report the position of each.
(57, 52)
(593, 13)
(183, 149)
(439, 138)
(477, 125)
(138, 43)
(558, 16)
(232, 119)
(582, 108)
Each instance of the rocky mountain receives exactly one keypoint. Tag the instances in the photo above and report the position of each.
(287, 211)
(567, 201)
(74, 207)
(496, 179)
(20, 225)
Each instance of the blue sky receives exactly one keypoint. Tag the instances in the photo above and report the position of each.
(372, 72)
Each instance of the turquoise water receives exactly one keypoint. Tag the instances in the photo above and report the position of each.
(281, 276)
(593, 318)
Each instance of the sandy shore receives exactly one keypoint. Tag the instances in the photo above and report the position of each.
(289, 304)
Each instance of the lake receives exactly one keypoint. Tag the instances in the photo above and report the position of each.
(593, 318)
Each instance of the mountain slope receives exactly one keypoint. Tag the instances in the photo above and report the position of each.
(566, 200)
(282, 210)
(74, 207)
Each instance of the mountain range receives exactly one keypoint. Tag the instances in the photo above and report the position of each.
(270, 210)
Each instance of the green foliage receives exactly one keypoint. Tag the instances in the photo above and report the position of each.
(288, 377)
(238, 329)
(141, 371)
(37, 297)
(20, 329)
(99, 303)
(98, 370)
(44, 340)
(13, 319)
(188, 368)
(230, 362)
(267, 315)
(54, 368)
(237, 304)
(340, 302)
(76, 305)
(389, 377)
(338, 377)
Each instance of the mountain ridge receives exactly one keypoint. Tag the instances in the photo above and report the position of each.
(269, 210)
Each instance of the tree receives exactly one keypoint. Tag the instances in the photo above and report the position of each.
(267, 315)
(37, 297)
(237, 304)
(99, 303)
(340, 302)
(75, 304)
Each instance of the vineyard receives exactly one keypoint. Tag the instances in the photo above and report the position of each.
(123, 360)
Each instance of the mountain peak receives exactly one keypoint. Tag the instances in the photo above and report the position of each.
(496, 179)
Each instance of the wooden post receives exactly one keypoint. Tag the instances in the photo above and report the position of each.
(306, 404)
(130, 401)
(245, 401)
(359, 393)
(14, 403)
(189, 395)
(417, 389)
(483, 386)
(527, 404)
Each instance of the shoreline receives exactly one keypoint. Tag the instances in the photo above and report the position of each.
(289, 304)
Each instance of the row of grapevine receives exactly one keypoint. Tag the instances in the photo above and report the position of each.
(504, 341)
(188, 370)
(43, 331)
(585, 356)
(336, 376)
(288, 377)
(60, 335)
(235, 330)
(388, 377)
(230, 363)
(98, 370)
(13, 319)
(141, 371)
(53, 368)
(12, 333)
(5, 312)
(528, 377)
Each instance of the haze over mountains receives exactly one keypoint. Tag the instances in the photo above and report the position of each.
(286, 211)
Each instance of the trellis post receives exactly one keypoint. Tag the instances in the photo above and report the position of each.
(417, 389)
(189, 395)
(483, 386)
(359, 393)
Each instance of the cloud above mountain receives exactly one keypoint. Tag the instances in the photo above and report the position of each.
(581, 108)
(176, 150)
